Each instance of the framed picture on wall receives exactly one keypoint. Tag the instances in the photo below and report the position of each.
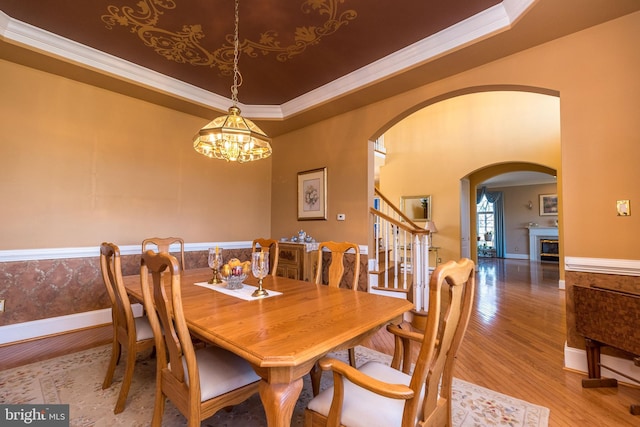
(416, 208)
(548, 204)
(312, 194)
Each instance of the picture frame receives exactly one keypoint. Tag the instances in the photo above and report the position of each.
(416, 208)
(623, 207)
(548, 204)
(312, 194)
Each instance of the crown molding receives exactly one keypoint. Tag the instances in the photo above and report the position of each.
(495, 19)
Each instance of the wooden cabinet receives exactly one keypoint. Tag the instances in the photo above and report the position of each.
(297, 260)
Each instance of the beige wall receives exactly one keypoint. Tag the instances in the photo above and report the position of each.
(80, 165)
(595, 74)
(341, 147)
(74, 157)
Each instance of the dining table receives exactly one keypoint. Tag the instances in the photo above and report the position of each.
(283, 334)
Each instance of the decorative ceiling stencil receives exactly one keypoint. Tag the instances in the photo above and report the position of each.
(184, 46)
(357, 53)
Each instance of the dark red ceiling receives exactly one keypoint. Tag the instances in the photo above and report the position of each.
(367, 30)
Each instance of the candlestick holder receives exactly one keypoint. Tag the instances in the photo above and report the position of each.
(260, 268)
(215, 261)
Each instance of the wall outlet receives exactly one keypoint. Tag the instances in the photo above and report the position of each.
(1, 306)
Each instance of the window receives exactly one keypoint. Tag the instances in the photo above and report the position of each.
(486, 223)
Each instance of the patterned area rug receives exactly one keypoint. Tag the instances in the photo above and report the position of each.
(76, 379)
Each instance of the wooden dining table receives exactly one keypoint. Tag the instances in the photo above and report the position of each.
(282, 336)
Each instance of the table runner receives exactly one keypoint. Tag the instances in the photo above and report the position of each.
(242, 293)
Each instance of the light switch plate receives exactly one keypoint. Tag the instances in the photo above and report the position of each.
(341, 217)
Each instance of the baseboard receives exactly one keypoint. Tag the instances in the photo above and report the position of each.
(57, 325)
(575, 359)
(516, 256)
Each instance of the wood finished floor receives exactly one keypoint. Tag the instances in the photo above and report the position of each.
(514, 345)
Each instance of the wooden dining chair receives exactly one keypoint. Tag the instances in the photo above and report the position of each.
(199, 382)
(163, 244)
(270, 245)
(134, 333)
(336, 272)
(377, 394)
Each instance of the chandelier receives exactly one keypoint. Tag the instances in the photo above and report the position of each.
(232, 137)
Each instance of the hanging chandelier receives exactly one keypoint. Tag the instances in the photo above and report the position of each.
(232, 137)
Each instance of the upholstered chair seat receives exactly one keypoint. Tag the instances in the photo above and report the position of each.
(357, 410)
(220, 372)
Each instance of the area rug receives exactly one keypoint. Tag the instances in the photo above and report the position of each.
(76, 379)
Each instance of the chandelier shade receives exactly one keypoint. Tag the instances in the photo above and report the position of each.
(232, 137)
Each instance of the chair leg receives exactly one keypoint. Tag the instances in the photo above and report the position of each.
(158, 407)
(126, 381)
(113, 361)
(316, 376)
(352, 357)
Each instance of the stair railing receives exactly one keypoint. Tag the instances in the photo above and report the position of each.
(402, 251)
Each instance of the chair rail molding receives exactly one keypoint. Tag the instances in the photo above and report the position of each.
(624, 267)
(94, 251)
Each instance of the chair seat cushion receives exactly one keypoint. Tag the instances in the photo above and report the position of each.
(221, 371)
(362, 407)
(143, 328)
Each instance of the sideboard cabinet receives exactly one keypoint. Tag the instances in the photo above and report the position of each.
(297, 260)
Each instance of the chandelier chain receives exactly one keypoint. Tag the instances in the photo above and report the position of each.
(237, 77)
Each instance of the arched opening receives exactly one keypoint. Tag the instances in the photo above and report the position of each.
(487, 130)
(523, 209)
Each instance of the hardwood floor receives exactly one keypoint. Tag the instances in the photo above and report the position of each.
(514, 345)
(515, 342)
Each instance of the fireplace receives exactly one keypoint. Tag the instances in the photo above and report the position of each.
(536, 236)
(549, 250)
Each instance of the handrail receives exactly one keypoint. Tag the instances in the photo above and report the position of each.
(395, 208)
(415, 229)
(402, 252)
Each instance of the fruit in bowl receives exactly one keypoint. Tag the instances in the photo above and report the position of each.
(234, 272)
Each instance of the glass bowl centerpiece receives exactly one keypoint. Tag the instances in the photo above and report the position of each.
(234, 272)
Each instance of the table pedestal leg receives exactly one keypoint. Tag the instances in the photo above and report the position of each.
(279, 401)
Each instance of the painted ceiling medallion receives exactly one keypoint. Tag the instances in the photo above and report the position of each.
(184, 46)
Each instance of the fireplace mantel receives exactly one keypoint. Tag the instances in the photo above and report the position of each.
(535, 235)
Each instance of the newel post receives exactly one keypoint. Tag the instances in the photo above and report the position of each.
(421, 273)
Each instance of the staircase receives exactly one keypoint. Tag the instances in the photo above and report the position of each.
(400, 267)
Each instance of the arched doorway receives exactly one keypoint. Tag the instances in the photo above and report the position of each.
(476, 178)
(430, 150)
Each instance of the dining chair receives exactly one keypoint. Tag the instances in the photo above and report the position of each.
(335, 274)
(405, 338)
(378, 394)
(163, 244)
(198, 382)
(134, 333)
(270, 245)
